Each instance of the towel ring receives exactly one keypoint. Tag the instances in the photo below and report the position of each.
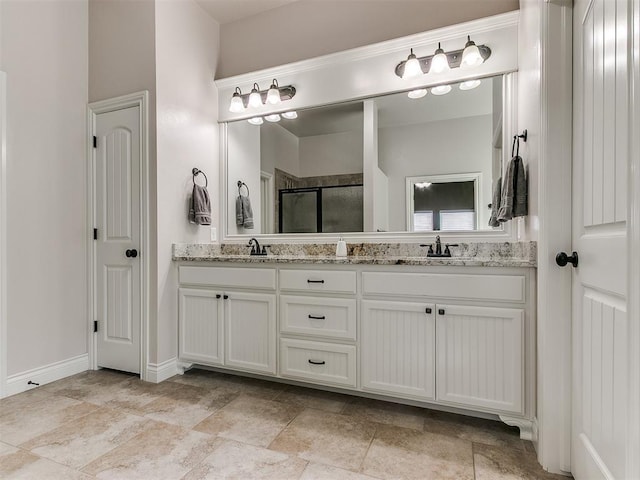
(195, 172)
(240, 185)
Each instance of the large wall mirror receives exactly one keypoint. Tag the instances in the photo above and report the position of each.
(385, 164)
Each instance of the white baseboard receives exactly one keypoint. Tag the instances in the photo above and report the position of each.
(159, 372)
(18, 383)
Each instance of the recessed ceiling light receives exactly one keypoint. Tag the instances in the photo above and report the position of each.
(441, 89)
(419, 93)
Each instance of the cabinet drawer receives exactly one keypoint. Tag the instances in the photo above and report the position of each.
(319, 362)
(329, 281)
(505, 288)
(318, 316)
(229, 277)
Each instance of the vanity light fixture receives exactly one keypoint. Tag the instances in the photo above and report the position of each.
(237, 105)
(471, 55)
(273, 95)
(441, 89)
(423, 184)
(290, 115)
(469, 84)
(257, 97)
(441, 61)
(272, 118)
(412, 67)
(255, 100)
(256, 121)
(419, 93)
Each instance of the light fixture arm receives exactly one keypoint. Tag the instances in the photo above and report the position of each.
(454, 57)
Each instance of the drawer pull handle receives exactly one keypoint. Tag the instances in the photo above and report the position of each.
(316, 362)
(314, 317)
(315, 281)
(441, 311)
(427, 310)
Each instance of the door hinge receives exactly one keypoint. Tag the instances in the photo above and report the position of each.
(95, 142)
(95, 326)
(95, 233)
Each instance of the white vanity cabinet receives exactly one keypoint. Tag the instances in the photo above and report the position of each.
(398, 348)
(227, 317)
(318, 324)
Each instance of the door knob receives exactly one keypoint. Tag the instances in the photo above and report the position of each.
(133, 253)
(562, 259)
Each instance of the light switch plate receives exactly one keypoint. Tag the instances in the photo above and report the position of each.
(214, 234)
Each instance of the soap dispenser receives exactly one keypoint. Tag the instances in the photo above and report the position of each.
(341, 248)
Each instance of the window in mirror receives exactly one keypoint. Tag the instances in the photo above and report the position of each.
(323, 148)
(443, 202)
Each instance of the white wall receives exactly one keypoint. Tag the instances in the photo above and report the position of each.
(186, 54)
(244, 153)
(43, 49)
(310, 28)
(332, 154)
(279, 148)
(452, 146)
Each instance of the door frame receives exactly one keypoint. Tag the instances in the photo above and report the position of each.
(3, 234)
(141, 100)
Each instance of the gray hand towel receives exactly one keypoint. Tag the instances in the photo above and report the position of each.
(514, 192)
(495, 204)
(244, 212)
(200, 206)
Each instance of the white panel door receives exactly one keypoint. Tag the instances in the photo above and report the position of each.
(398, 348)
(600, 172)
(200, 335)
(118, 275)
(250, 330)
(480, 357)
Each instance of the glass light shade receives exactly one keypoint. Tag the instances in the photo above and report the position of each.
(255, 100)
(439, 62)
(471, 56)
(256, 121)
(273, 95)
(419, 93)
(236, 105)
(412, 67)
(272, 118)
(469, 84)
(290, 115)
(441, 89)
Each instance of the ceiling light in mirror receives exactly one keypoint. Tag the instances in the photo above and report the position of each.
(272, 118)
(441, 89)
(412, 67)
(419, 93)
(273, 95)
(471, 55)
(290, 115)
(439, 63)
(255, 100)
(470, 84)
(255, 121)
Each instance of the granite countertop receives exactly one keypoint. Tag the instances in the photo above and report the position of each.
(504, 254)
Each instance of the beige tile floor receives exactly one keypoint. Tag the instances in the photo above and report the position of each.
(206, 425)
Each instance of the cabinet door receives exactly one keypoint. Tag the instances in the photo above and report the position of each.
(398, 348)
(480, 357)
(250, 323)
(200, 326)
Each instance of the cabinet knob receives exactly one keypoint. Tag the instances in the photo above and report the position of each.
(226, 297)
(441, 311)
(427, 310)
(218, 296)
